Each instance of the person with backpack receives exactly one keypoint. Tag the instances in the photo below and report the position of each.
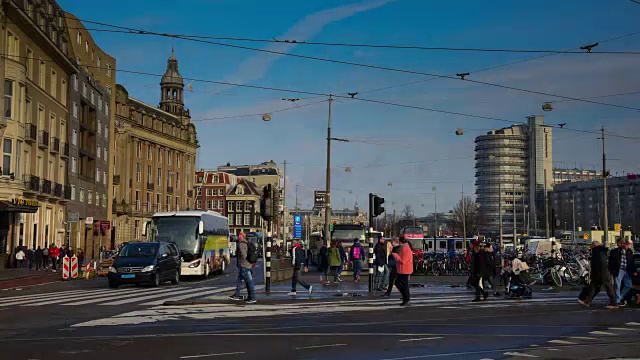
(247, 257)
(298, 262)
(356, 254)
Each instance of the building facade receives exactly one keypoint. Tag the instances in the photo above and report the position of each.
(571, 175)
(211, 189)
(36, 68)
(155, 151)
(584, 202)
(90, 134)
(513, 175)
(243, 207)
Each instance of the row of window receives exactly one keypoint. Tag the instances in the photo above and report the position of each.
(239, 218)
(237, 205)
(160, 150)
(215, 179)
(91, 95)
(90, 197)
(148, 204)
(170, 176)
(101, 175)
(211, 192)
(93, 55)
(14, 163)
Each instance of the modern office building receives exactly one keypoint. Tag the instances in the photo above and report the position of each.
(572, 175)
(513, 175)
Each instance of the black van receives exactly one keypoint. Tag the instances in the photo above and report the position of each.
(146, 262)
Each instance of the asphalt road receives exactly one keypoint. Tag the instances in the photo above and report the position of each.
(550, 326)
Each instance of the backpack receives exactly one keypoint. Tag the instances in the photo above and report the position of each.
(356, 252)
(252, 252)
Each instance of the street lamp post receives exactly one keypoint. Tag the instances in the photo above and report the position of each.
(573, 217)
(327, 205)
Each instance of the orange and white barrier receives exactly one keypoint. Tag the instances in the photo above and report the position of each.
(74, 267)
(87, 270)
(65, 267)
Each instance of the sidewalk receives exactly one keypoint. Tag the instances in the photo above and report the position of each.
(12, 278)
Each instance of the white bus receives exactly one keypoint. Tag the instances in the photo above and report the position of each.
(202, 238)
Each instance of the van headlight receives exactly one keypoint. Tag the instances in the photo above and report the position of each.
(194, 264)
(112, 269)
(147, 268)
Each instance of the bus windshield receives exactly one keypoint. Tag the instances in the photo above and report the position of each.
(347, 234)
(181, 230)
(414, 232)
(416, 244)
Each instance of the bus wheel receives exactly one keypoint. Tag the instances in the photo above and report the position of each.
(206, 271)
(223, 265)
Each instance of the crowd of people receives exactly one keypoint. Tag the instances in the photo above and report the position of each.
(44, 258)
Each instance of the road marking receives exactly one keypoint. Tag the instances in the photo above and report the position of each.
(554, 349)
(43, 297)
(107, 297)
(211, 355)
(154, 296)
(420, 339)
(582, 338)
(563, 342)
(601, 333)
(514, 353)
(319, 346)
(633, 324)
(189, 296)
(622, 329)
(93, 297)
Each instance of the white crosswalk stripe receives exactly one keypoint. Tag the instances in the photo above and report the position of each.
(227, 310)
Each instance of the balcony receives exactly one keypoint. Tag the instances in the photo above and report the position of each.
(57, 190)
(89, 152)
(150, 186)
(170, 189)
(31, 183)
(65, 150)
(30, 133)
(116, 179)
(120, 208)
(43, 139)
(55, 145)
(3, 122)
(47, 187)
(88, 124)
(67, 192)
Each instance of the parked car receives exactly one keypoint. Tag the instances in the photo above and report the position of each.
(146, 263)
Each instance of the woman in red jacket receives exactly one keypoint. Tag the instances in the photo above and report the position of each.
(404, 265)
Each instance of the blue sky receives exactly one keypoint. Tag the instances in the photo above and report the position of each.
(415, 150)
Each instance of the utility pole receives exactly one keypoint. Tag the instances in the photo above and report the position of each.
(546, 206)
(515, 231)
(435, 213)
(464, 221)
(573, 204)
(604, 192)
(500, 213)
(327, 204)
(284, 204)
(620, 218)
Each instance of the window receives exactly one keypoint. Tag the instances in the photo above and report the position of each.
(8, 99)
(89, 197)
(138, 149)
(43, 74)
(149, 174)
(81, 195)
(209, 205)
(104, 200)
(63, 92)
(168, 204)
(240, 190)
(97, 175)
(208, 192)
(6, 156)
(54, 84)
(149, 154)
(73, 192)
(93, 97)
(177, 180)
(177, 203)
(74, 165)
(99, 102)
(159, 201)
(106, 154)
(159, 155)
(230, 220)
(79, 38)
(104, 177)
(99, 127)
(13, 49)
(199, 204)
(86, 46)
(178, 160)
(29, 64)
(108, 69)
(74, 137)
(108, 90)
(138, 173)
(221, 205)
(159, 177)
(247, 219)
(75, 110)
(238, 206)
(99, 151)
(106, 131)
(247, 206)
(169, 158)
(138, 200)
(238, 219)
(199, 191)
(84, 89)
(215, 179)
(148, 205)
(17, 172)
(106, 108)
(98, 61)
(97, 199)
(75, 81)
(231, 203)
(220, 192)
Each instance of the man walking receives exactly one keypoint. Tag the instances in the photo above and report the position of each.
(298, 262)
(246, 257)
(392, 264)
(382, 271)
(404, 265)
(479, 271)
(599, 277)
(620, 268)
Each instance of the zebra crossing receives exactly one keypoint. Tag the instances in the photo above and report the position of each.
(230, 310)
(111, 297)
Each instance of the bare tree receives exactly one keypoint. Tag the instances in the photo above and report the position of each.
(470, 214)
(407, 213)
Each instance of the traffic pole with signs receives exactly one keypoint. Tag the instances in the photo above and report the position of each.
(88, 222)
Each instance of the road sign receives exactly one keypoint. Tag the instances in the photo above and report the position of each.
(320, 199)
(617, 227)
(73, 217)
(586, 236)
(105, 225)
(88, 221)
(297, 227)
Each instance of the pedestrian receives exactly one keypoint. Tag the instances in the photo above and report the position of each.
(245, 272)
(620, 268)
(323, 263)
(298, 261)
(599, 277)
(45, 258)
(479, 271)
(404, 265)
(20, 256)
(343, 260)
(31, 255)
(392, 264)
(38, 258)
(380, 262)
(333, 260)
(54, 252)
(491, 269)
(356, 254)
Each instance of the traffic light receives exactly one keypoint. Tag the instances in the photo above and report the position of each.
(266, 203)
(377, 205)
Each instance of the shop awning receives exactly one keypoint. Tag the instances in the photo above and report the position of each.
(7, 206)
